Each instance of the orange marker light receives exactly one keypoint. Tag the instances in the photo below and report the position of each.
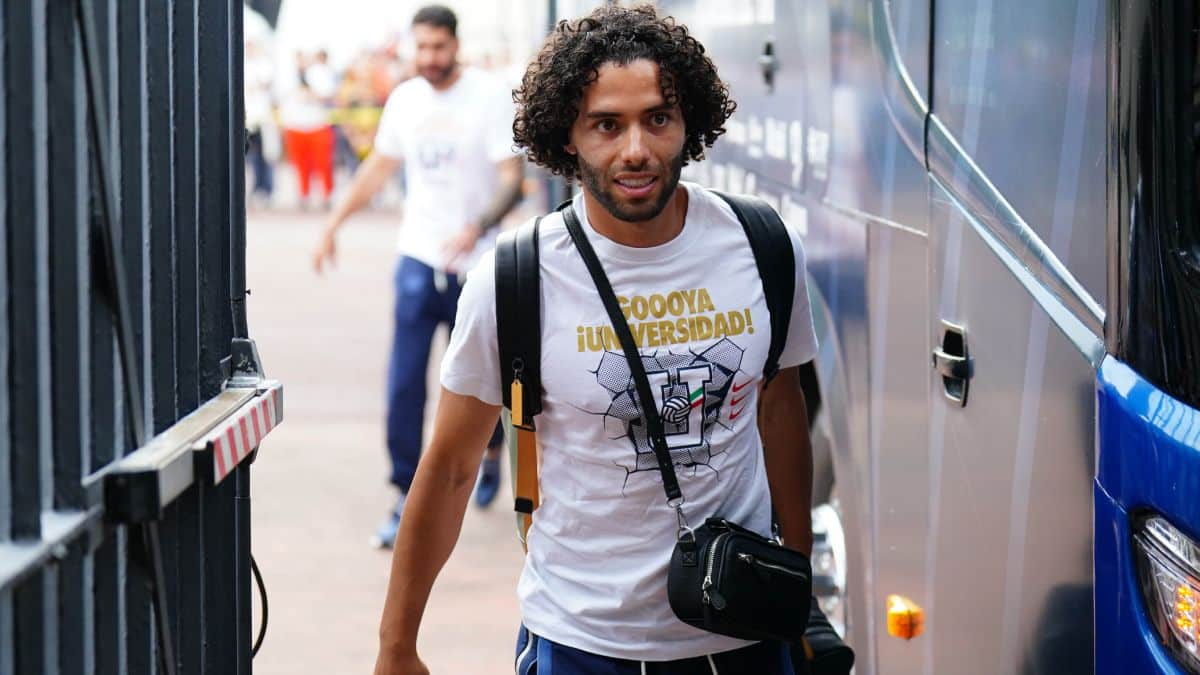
(905, 618)
(1185, 610)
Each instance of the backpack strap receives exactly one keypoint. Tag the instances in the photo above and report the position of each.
(772, 247)
(519, 339)
(519, 323)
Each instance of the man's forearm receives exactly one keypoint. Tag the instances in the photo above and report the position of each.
(433, 514)
(367, 181)
(783, 423)
(429, 529)
(507, 196)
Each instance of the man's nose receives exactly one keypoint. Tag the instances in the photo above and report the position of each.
(635, 153)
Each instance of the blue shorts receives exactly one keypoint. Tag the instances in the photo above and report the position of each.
(539, 656)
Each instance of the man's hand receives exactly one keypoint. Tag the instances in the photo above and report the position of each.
(326, 249)
(460, 245)
(388, 664)
(511, 173)
(369, 177)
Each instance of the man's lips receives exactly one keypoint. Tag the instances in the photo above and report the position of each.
(635, 185)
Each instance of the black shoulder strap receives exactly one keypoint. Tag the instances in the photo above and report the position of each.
(518, 318)
(772, 248)
(637, 370)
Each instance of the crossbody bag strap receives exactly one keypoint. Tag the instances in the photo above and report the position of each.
(654, 426)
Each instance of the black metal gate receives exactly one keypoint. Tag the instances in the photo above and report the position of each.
(127, 388)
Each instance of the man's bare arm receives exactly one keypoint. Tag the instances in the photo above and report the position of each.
(432, 518)
(783, 424)
(369, 177)
(512, 174)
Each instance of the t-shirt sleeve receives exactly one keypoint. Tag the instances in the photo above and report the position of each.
(389, 139)
(500, 121)
(801, 345)
(471, 366)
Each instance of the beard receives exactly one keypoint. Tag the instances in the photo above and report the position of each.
(600, 186)
(436, 75)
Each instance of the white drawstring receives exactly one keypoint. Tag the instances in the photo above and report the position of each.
(711, 664)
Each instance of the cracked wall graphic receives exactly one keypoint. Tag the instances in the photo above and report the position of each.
(689, 390)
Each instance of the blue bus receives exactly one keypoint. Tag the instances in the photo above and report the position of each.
(999, 206)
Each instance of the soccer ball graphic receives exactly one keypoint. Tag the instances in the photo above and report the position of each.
(675, 410)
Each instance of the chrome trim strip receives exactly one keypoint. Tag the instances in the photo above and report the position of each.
(852, 212)
(1088, 341)
(904, 102)
(986, 204)
(941, 153)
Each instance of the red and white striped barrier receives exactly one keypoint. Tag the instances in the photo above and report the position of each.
(238, 435)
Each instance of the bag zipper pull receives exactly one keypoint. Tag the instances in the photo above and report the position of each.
(711, 596)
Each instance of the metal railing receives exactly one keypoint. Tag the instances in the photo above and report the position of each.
(126, 365)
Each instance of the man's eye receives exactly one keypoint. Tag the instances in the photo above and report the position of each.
(606, 125)
(660, 119)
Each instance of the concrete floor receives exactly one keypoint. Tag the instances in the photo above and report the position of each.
(319, 484)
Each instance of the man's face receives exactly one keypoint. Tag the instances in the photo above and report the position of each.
(437, 52)
(629, 141)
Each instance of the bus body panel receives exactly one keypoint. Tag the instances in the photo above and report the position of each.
(1009, 473)
(984, 514)
(1125, 640)
(1149, 460)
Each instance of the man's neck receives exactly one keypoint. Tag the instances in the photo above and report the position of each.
(658, 230)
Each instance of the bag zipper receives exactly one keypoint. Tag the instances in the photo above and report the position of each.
(711, 596)
(751, 560)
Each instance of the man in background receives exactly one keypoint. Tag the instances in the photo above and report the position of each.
(451, 130)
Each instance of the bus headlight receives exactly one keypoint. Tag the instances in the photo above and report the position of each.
(1169, 566)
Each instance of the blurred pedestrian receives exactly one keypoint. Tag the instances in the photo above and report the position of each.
(261, 133)
(321, 77)
(450, 129)
(308, 138)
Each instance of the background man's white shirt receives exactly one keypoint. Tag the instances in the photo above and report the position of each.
(595, 574)
(450, 142)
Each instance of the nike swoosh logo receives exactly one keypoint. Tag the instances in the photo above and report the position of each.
(736, 414)
(734, 400)
(737, 387)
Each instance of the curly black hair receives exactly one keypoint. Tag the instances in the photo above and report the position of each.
(548, 99)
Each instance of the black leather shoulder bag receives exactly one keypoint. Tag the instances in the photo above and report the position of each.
(723, 578)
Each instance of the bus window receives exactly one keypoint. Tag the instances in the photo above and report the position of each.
(1154, 321)
(1022, 87)
(1189, 242)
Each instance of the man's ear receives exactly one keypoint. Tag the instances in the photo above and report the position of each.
(570, 148)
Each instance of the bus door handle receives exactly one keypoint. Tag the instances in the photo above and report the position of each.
(768, 63)
(954, 363)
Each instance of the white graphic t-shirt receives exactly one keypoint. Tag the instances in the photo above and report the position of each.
(595, 577)
(450, 142)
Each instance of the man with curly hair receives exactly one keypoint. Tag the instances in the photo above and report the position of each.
(620, 101)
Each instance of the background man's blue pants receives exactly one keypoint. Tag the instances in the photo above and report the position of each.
(423, 301)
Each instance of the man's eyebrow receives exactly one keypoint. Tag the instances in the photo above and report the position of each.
(601, 114)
